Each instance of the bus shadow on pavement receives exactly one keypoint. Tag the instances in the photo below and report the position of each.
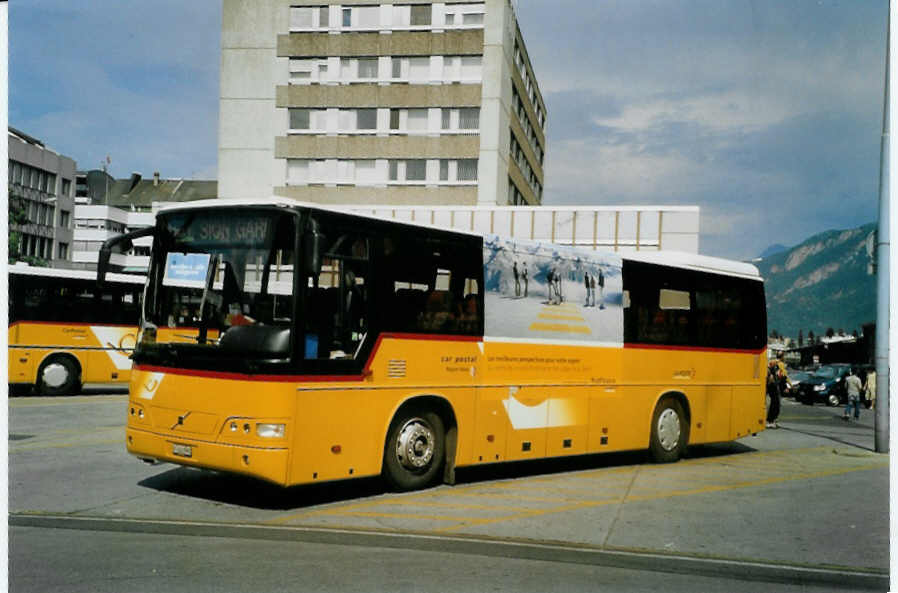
(597, 461)
(252, 493)
(249, 492)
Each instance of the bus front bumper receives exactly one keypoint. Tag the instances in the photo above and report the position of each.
(266, 463)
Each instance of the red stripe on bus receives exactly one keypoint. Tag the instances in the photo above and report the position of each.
(245, 377)
(638, 346)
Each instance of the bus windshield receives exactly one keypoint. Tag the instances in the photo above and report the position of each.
(218, 270)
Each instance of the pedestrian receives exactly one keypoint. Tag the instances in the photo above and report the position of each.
(517, 280)
(524, 274)
(853, 389)
(586, 282)
(773, 394)
(601, 291)
(870, 387)
(550, 283)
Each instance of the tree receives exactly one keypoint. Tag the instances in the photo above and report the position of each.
(800, 338)
(830, 332)
(17, 216)
(854, 334)
(810, 337)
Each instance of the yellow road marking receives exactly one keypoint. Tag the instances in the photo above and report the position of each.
(558, 327)
(510, 490)
(658, 496)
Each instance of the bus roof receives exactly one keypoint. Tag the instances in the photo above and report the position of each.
(75, 274)
(676, 259)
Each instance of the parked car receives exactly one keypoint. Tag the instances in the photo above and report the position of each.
(796, 378)
(826, 385)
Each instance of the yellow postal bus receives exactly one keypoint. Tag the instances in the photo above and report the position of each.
(333, 345)
(64, 332)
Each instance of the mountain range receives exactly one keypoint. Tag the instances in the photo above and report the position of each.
(821, 283)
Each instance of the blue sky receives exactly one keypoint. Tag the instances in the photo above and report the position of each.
(766, 114)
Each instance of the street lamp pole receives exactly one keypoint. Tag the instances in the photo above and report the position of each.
(881, 416)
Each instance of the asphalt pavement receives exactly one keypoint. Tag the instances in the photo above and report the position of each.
(805, 505)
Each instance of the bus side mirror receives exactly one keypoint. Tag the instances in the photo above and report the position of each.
(311, 247)
(120, 244)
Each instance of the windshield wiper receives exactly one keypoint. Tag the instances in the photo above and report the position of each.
(214, 262)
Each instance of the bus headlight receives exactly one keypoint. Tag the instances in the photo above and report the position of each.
(275, 431)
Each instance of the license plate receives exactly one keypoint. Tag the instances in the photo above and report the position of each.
(182, 450)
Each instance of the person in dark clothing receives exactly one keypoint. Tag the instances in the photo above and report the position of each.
(586, 282)
(517, 280)
(773, 394)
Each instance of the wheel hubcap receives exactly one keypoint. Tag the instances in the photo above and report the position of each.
(668, 429)
(414, 447)
(55, 375)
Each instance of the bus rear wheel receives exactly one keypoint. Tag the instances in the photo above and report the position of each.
(415, 449)
(669, 432)
(58, 375)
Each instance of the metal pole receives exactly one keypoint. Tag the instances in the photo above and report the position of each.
(881, 416)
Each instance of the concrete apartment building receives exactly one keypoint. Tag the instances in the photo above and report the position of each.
(372, 103)
(41, 184)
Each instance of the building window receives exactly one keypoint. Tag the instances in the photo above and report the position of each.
(419, 69)
(67, 187)
(367, 119)
(472, 19)
(417, 120)
(64, 219)
(301, 17)
(447, 118)
(397, 67)
(368, 16)
(63, 250)
(444, 170)
(467, 170)
(347, 17)
(394, 119)
(469, 118)
(299, 119)
(415, 170)
(323, 16)
(367, 67)
(420, 15)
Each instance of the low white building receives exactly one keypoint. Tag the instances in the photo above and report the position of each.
(610, 228)
(96, 224)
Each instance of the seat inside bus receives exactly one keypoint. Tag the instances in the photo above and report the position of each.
(269, 341)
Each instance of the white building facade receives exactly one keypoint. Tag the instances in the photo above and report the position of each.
(376, 103)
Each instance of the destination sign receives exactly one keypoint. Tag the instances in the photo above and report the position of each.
(243, 230)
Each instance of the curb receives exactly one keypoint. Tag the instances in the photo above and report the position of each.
(644, 560)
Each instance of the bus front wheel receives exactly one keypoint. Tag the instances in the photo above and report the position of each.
(58, 376)
(415, 449)
(670, 431)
